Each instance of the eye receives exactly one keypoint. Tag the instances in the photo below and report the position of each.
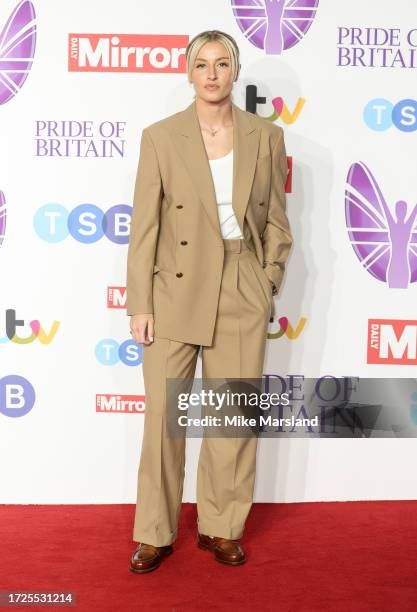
(198, 65)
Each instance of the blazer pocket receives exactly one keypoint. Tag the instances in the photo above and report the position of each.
(260, 208)
(164, 271)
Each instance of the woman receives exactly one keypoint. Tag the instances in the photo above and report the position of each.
(208, 244)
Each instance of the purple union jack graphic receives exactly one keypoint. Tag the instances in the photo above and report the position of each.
(274, 25)
(385, 243)
(17, 48)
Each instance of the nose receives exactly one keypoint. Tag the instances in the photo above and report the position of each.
(212, 73)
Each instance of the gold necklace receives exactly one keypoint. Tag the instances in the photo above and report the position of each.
(213, 132)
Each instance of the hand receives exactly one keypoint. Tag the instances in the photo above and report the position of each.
(142, 328)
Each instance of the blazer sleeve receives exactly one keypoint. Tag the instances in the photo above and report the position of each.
(277, 238)
(144, 228)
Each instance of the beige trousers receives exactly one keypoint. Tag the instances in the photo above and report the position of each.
(226, 468)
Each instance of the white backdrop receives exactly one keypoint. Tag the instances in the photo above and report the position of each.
(64, 451)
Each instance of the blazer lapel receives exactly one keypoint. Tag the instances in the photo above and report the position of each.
(190, 146)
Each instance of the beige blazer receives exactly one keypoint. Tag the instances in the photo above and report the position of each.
(175, 255)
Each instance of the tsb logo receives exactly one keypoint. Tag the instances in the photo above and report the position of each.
(86, 223)
(109, 352)
(392, 342)
(380, 114)
(17, 396)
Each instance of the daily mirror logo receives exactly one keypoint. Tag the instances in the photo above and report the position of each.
(116, 297)
(274, 25)
(122, 404)
(127, 52)
(392, 342)
(384, 241)
(17, 48)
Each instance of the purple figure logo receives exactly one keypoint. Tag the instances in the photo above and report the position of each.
(385, 243)
(17, 48)
(274, 25)
(2, 217)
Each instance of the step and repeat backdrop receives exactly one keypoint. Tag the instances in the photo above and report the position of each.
(78, 83)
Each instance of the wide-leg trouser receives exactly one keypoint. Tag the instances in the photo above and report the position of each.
(226, 468)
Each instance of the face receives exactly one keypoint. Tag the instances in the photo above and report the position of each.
(212, 72)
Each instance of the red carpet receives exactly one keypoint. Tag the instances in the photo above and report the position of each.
(304, 557)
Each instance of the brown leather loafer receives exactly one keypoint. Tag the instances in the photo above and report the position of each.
(226, 551)
(148, 557)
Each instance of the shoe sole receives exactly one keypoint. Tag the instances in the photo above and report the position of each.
(150, 569)
(144, 571)
(206, 547)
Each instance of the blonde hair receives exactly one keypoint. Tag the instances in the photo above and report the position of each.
(199, 40)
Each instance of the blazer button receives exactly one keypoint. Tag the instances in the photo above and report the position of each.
(180, 206)
(184, 242)
(261, 203)
(179, 274)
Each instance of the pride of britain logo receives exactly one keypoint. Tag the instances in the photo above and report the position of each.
(17, 48)
(274, 25)
(384, 241)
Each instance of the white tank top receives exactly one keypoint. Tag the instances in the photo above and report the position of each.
(222, 173)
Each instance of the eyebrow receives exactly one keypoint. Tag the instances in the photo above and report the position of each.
(202, 59)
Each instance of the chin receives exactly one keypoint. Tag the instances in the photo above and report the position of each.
(215, 96)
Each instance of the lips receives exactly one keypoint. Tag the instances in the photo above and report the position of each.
(212, 87)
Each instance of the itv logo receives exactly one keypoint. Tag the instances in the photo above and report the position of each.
(38, 332)
(392, 342)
